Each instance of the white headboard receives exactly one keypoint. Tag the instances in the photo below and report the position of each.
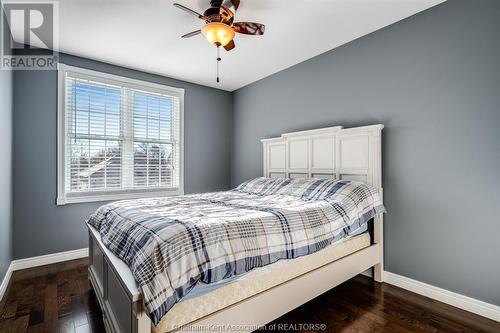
(333, 152)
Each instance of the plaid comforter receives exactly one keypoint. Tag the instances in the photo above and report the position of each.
(173, 243)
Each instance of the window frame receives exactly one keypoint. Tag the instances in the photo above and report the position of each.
(64, 197)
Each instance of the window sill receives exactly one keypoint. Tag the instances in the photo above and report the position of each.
(101, 197)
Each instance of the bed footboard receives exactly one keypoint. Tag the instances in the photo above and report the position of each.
(116, 291)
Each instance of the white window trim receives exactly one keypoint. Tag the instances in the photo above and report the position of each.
(64, 198)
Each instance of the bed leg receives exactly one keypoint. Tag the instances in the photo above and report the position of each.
(378, 271)
(378, 230)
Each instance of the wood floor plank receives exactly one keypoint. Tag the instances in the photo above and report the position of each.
(8, 310)
(65, 325)
(21, 324)
(59, 298)
(50, 305)
(83, 329)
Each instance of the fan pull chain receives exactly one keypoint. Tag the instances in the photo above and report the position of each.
(218, 60)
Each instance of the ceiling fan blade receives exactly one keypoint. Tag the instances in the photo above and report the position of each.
(231, 4)
(249, 28)
(191, 34)
(189, 10)
(230, 46)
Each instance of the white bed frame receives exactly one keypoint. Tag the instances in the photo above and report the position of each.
(334, 152)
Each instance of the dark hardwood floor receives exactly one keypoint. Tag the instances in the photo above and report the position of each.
(59, 298)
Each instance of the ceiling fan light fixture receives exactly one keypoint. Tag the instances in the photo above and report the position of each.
(218, 33)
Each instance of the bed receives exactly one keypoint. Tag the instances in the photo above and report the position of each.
(320, 192)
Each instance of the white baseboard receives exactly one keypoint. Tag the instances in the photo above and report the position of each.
(5, 281)
(457, 300)
(49, 259)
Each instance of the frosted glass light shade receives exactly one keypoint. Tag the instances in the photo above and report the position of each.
(218, 33)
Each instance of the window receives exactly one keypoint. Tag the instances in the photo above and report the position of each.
(117, 137)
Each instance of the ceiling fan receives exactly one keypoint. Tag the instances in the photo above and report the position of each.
(220, 28)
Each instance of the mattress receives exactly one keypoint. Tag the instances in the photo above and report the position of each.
(255, 282)
(204, 288)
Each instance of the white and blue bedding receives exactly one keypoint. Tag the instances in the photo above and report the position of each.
(171, 244)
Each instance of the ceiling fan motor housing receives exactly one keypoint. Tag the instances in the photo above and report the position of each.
(219, 14)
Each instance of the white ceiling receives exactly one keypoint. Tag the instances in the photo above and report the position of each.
(145, 34)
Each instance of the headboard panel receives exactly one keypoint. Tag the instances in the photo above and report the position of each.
(333, 152)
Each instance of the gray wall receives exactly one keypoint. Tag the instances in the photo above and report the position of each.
(5, 171)
(434, 81)
(40, 226)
